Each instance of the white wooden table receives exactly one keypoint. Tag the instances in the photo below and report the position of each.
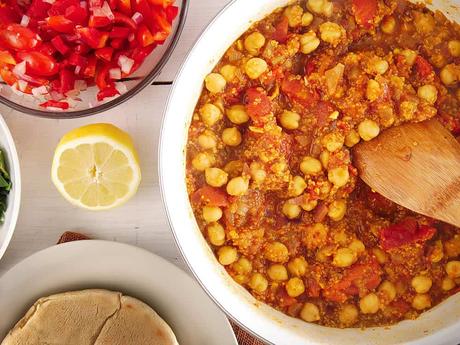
(45, 215)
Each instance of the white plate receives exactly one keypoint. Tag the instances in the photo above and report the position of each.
(109, 265)
(14, 197)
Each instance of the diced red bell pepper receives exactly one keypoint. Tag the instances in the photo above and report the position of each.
(17, 37)
(117, 43)
(8, 76)
(163, 3)
(75, 59)
(281, 30)
(160, 36)
(406, 232)
(171, 13)
(364, 12)
(6, 58)
(107, 92)
(39, 64)
(60, 7)
(60, 24)
(159, 16)
(67, 79)
(210, 196)
(422, 67)
(38, 9)
(124, 6)
(104, 53)
(95, 3)
(98, 22)
(93, 37)
(8, 16)
(257, 104)
(60, 45)
(90, 69)
(81, 49)
(77, 14)
(119, 32)
(143, 7)
(55, 104)
(121, 18)
(144, 36)
(102, 75)
(46, 48)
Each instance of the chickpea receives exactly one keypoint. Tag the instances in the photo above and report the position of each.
(331, 33)
(211, 214)
(438, 252)
(328, 9)
(291, 211)
(307, 19)
(339, 176)
(449, 75)
(407, 109)
(310, 166)
(227, 255)
(369, 304)
(316, 5)
(352, 138)
(421, 301)
(228, 72)
(453, 269)
(255, 67)
(380, 66)
(202, 161)
(380, 255)
(454, 48)
(277, 272)
(215, 82)
(344, 257)
(424, 22)
(277, 252)
(207, 141)
(409, 55)
(254, 42)
(210, 114)
(368, 130)
(215, 177)
(237, 114)
(294, 15)
(310, 312)
(324, 158)
(298, 266)
(258, 174)
(295, 287)
(309, 42)
(258, 282)
(333, 141)
(447, 284)
(373, 90)
(297, 186)
(357, 246)
(289, 119)
(237, 186)
(216, 234)
(337, 209)
(348, 315)
(388, 289)
(309, 205)
(421, 284)
(388, 25)
(243, 266)
(231, 136)
(429, 93)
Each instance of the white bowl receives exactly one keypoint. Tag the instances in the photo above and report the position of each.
(14, 198)
(118, 267)
(440, 325)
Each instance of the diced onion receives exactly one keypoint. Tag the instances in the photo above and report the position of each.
(104, 11)
(115, 73)
(137, 17)
(50, 1)
(131, 37)
(72, 93)
(121, 87)
(77, 69)
(83, 4)
(80, 85)
(39, 91)
(56, 96)
(125, 63)
(20, 69)
(16, 90)
(25, 20)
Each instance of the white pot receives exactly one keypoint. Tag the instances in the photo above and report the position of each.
(440, 325)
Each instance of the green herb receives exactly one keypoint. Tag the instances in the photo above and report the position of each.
(5, 186)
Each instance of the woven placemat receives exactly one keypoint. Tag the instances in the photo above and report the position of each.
(243, 337)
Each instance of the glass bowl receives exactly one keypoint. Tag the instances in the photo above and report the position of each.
(89, 105)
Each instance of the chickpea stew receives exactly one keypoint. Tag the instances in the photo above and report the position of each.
(270, 173)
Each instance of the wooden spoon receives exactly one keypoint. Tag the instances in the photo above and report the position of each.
(416, 166)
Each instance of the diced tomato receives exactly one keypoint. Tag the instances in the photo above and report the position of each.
(210, 196)
(257, 104)
(105, 53)
(364, 12)
(55, 104)
(107, 92)
(124, 6)
(121, 18)
(6, 58)
(312, 287)
(281, 30)
(284, 299)
(60, 24)
(67, 79)
(406, 232)
(60, 45)
(144, 36)
(38, 9)
(93, 37)
(422, 67)
(17, 37)
(298, 92)
(39, 64)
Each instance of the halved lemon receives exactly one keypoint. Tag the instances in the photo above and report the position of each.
(96, 167)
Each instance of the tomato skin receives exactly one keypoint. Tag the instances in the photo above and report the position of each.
(281, 30)
(423, 67)
(17, 37)
(210, 196)
(39, 64)
(365, 12)
(405, 232)
(257, 104)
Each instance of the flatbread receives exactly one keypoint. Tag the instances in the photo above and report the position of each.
(90, 317)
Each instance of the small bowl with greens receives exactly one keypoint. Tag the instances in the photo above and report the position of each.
(10, 186)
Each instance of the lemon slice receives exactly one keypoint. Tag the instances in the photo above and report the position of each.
(96, 167)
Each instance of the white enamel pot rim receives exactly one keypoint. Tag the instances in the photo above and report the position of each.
(440, 325)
